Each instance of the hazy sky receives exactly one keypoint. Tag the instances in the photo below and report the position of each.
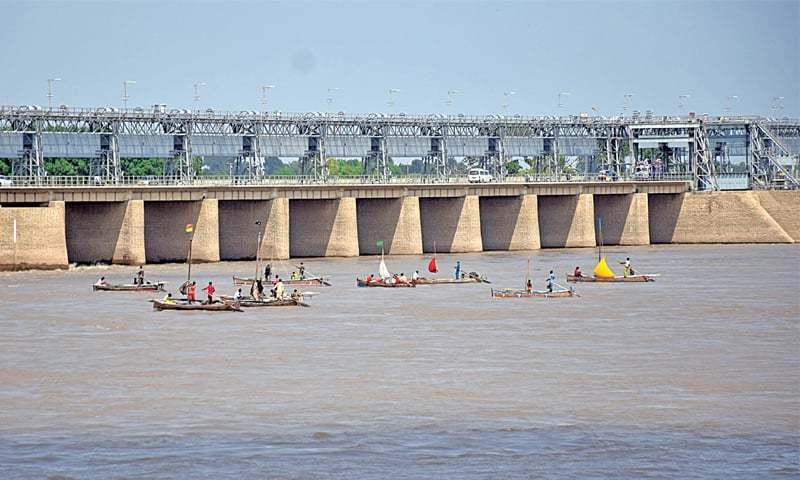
(597, 51)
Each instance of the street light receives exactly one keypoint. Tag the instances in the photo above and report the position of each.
(329, 99)
(562, 94)
(392, 91)
(264, 90)
(507, 100)
(681, 99)
(627, 102)
(50, 82)
(777, 103)
(731, 98)
(197, 86)
(125, 96)
(450, 95)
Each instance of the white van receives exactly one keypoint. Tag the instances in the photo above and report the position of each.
(479, 175)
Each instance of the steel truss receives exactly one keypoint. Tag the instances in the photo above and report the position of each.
(619, 141)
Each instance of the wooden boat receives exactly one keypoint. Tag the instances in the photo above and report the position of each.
(126, 287)
(380, 283)
(512, 293)
(448, 281)
(306, 282)
(616, 278)
(283, 302)
(213, 307)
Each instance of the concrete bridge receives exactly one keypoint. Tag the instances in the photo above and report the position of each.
(51, 227)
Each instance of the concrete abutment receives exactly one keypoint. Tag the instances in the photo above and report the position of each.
(242, 221)
(166, 239)
(566, 221)
(625, 219)
(395, 221)
(510, 223)
(40, 233)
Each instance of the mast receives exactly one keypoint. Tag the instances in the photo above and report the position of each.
(600, 238)
(258, 250)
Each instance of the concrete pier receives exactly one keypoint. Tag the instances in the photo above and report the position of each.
(323, 228)
(451, 224)
(239, 232)
(396, 221)
(165, 236)
(41, 237)
(784, 208)
(105, 232)
(712, 217)
(625, 219)
(566, 221)
(510, 223)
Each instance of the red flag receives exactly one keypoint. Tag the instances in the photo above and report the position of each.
(432, 265)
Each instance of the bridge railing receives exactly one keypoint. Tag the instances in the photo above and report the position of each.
(158, 181)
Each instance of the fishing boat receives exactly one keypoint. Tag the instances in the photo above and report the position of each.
(386, 279)
(471, 278)
(127, 287)
(562, 292)
(602, 273)
(209, 307)
(305, 282)
(283, 302)
(512, 293)
(380, 283)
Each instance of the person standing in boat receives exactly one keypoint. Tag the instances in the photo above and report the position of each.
(140, 276)
(627, 270)
(458, 269)
(191, 292)
(258, 293)
(209, 289)
(267, 272)
(529, 286)
(302, 269)
(279, 289)
(551, 281)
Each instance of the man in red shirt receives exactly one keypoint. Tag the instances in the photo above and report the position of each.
(191, 292)
(209, 289)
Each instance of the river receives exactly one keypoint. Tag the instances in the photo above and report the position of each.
(696, 375)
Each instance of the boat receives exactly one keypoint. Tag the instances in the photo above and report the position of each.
(210, 307)
(512, 293)
(127, 287)
(380, 283)
(306, 282)
(602, 273)
(283, 302)
(615, 278)
(562, 292)
(386, 278)
(471, 278)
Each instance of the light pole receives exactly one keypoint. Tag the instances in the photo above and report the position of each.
(777, 103)
(197, 86)
(391, 92)
(50, 82)
(125, 96)
(329, 99)
(450, 94)
(729, 108)
(627, 102)
(507, 101)
(562, 94)
(682, 99)
(264, 90)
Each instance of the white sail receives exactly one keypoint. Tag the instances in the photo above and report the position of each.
(383, 271)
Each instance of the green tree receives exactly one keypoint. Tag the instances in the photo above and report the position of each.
(513, 167)
(344, 168)
(66, 166)
(5, 166)
(141, 167)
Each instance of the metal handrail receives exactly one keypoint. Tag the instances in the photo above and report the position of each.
(299, 180)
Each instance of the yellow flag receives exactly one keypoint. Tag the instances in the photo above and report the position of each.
(602, 270)
(189, 228)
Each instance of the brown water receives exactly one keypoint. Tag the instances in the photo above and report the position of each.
(694, 376)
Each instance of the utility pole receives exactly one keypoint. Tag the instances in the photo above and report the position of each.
(125, 96)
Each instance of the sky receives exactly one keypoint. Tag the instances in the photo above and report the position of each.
(713, 57)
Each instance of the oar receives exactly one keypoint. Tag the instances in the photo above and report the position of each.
(303, 304)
